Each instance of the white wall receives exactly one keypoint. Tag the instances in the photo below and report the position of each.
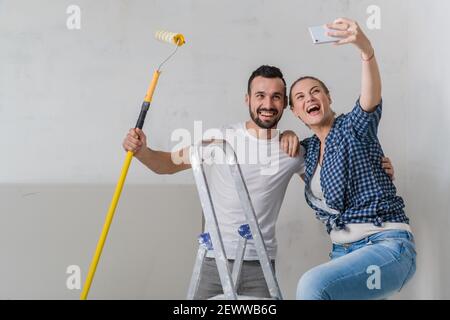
(67, 97)
(425, 170)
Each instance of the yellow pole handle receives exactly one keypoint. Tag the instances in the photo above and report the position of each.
(107, 224)
(152, 86)
(116, 196)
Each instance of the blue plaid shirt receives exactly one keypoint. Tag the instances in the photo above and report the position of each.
(354, 184)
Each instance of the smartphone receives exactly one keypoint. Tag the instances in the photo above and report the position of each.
(319, 35)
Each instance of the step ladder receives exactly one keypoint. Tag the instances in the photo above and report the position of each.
(212, 241)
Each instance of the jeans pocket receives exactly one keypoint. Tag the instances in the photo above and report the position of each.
(337, 252)
(410, 274)
(410, 248)
(403, 251)
(395, 246)
(331, 255)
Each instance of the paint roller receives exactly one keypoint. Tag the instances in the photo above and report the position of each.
(169, 37)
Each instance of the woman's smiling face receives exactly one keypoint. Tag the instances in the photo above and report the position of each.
(311, 102)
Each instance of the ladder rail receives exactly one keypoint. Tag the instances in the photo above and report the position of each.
(247, 206)
(211, 221)
(237, 266)
(193, 286)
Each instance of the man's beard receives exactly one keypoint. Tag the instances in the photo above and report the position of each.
(264, 124)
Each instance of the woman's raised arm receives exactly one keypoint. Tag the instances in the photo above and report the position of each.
(351, 32)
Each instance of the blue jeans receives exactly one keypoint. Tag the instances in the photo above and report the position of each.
(372, 268)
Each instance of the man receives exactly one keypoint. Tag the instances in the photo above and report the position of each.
(267, 179)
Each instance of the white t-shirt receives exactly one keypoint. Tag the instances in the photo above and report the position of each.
(267, 171)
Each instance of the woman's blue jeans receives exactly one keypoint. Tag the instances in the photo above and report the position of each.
(372, 268)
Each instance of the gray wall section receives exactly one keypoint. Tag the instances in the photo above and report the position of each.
(149, 252)
(68, 97)
(425, 152)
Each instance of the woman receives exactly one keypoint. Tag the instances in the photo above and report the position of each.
(373, 251)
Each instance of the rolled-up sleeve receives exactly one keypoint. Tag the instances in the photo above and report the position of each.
(365, 124)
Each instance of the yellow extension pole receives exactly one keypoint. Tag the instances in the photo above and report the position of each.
(117, 192)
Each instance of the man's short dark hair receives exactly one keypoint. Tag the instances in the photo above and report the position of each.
(266, 72)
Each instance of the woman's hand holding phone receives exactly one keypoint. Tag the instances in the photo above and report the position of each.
(350, 32)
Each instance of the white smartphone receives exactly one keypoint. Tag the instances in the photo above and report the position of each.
(319, 35)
